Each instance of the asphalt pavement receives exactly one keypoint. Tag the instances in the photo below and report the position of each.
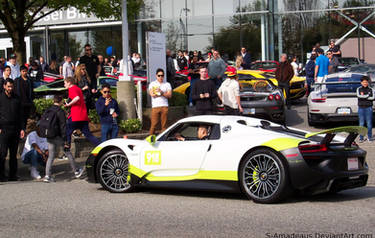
(74, 208)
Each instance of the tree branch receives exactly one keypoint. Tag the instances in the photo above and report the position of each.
(30, 22)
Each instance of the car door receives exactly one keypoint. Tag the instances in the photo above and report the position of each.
(175, 159)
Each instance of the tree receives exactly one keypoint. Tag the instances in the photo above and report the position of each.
(19, 16)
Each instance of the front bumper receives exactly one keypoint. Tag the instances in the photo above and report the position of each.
(90, 169)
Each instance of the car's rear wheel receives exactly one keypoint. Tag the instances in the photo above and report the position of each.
(310, 121)
(264, 177)
(113, 172)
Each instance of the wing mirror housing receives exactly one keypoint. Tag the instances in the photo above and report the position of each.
(151, 139)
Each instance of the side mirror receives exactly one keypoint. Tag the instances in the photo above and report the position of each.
(151, 139)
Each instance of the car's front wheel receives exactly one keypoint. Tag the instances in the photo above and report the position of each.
(113, 172)
(264, 177)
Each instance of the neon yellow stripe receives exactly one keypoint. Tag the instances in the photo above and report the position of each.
(96, 150)
(203, 174)
(282, 143)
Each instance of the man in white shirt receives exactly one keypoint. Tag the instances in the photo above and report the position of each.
(159, 91)
(35, 153)
(68, 68)
(14, 66)
(229, 94)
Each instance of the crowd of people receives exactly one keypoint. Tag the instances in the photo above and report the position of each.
(54, 128)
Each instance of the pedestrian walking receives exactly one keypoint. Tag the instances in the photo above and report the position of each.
(182, 62)
(78, 118)
(160, 91)
(366, 96)
(108, 111)
(92, 66)
(12, 128)
(216, 69)
(294, 65)
(23, 88)
(229, 94)
(321, 66)
(43, 64)
(35, 153)
(59, 139)
(83, 82)
(35, 74)
(204, 93)
(284, 73)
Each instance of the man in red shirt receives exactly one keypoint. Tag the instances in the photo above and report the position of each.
(78, 118)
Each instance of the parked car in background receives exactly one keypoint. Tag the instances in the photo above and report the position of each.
(266, 66)
(347, 62)
(361, 68)
(335, 99)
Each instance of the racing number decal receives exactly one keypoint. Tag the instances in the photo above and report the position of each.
(152, 158)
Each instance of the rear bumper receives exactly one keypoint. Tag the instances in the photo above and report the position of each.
(327, 174)
(332, 117)
(90, 168)
(275, 111)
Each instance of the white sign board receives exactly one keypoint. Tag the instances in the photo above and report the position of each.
(155, 54)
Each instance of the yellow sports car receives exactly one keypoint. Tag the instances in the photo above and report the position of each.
(297, 84)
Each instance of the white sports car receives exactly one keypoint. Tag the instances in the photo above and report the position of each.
(264, 160)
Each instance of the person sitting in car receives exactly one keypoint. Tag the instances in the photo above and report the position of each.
(202, 134)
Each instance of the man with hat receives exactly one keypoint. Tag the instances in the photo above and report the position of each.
(14, 66)
(229, 94)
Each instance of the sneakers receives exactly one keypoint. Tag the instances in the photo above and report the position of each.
(78, 173)
(361, 140)
(48, 179)
(34, 173)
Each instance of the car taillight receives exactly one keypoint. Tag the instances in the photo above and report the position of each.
(277, 97)
(319, 100)
(270, 97)
(312, 148)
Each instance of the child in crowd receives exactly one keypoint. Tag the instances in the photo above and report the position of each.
(365, 95)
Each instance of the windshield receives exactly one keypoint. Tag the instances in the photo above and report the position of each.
(256, 85)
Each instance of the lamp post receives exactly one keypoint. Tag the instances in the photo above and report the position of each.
(125, 85)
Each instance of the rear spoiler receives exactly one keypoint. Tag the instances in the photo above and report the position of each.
(353, 131)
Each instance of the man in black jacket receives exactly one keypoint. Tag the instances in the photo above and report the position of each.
(12, 127)
(284, 73)
(59, 140)
(204, 93)
(23, 88)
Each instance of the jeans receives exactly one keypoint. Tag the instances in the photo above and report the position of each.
(84, 127)
(310, 82)
(109, 129)
(365, 114)
(285, 86)
(33, 158)
(52, 144)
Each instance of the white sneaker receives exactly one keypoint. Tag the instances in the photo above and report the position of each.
(62, 158)
(48, 179)
(78, 173)
(34, 173)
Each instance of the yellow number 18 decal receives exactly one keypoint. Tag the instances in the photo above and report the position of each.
(152, 158)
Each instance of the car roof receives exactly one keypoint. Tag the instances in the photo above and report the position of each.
(219, 118)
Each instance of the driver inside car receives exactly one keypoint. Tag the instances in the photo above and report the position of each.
(202, 134)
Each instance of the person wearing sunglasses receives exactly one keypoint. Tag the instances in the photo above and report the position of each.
(108, 111)
(159, 91)
(92, 66)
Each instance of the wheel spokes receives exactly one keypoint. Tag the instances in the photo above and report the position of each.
(261, 176)
(114, 172)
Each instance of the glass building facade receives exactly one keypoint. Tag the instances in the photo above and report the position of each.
(266, 28)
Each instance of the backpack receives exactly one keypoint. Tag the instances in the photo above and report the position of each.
(48, 123)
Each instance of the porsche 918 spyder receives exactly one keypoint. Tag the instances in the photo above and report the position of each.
(264, 160)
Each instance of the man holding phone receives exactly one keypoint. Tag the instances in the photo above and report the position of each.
(203, 93)
(108, 111)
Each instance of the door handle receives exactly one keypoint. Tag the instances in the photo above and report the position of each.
(209, 148)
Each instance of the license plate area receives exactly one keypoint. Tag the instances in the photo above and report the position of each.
(353, 164)
(344, 110)
(250, 111)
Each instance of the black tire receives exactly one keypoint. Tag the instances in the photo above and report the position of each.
(309, 120)
(264, 177)
(112, 172)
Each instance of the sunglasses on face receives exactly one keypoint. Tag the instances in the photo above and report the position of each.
(160, 75)
(105, 92)
(88, 49)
